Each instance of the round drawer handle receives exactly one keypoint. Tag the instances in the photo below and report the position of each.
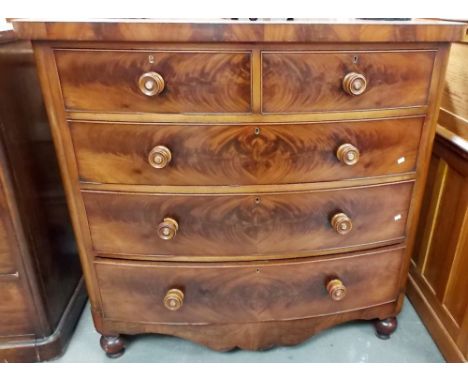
(354, 84)
(174, 299)
(336, 289)
(159, 157)
(168, 228)
(348, 154)
(341, 223)
(151, 84)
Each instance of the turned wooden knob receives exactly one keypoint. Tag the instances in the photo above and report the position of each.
(348, 154)
(159, 157)
(341, 223)
(167, 229)
(151, 84)
(336, 289)
(354, 84)
(174, 299)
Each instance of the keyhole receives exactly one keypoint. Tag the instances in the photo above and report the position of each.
(151, 59)
(257, 200)
(355, 59)
(257, 131)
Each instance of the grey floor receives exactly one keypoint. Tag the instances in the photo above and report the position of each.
(350, 342)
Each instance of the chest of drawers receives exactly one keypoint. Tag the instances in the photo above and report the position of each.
(242, 184)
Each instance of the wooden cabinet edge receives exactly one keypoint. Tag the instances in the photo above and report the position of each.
(53, 345)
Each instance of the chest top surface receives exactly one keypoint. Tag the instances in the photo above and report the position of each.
(241, 30)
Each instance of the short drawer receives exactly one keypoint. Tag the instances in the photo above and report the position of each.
(238, 226)
(244, 154)
(155, 81)
(145, 292)
(15, 318)
(301, 82)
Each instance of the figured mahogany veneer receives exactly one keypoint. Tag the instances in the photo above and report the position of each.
(195, 82)
(246, 292)
(298, 82)
(225, 177)
(246, 225)
(243, 154)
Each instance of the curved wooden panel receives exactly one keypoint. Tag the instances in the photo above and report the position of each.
(224, 226)
(243, 154)
(195, 82)
(248, 292)
(299, 82)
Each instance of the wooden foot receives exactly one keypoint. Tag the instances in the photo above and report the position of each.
(385, 328)
(114, 346)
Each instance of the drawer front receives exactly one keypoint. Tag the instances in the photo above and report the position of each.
(14, 314)
(192, 82)
(249, 292)
(243, 154)
(301, 82)
(240, 225)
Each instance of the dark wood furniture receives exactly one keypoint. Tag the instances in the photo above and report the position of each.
(242, 184)
(438, 284)
(41, 292)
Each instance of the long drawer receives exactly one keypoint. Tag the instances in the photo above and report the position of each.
(244, 154)
(144, 292)
(155, 81)
(305, 81)
(220, 226)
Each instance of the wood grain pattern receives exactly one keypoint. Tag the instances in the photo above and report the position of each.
(196, 82)
(7, 258)
(243, 154)
(15, 312)
(246, 292)
(439, 285)
(455, 96)
(233, 226)
(301, 30)
(298, 82)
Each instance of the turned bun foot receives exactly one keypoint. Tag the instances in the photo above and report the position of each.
(385, 328)
(114, 346)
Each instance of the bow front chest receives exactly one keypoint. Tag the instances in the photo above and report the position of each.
(242, 183)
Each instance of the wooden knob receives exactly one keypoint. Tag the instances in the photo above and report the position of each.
(348, 154)
(174, 299)
(159, 157)
(151, 84)
(341, 223)
(336, 289)
(167, 229)
(354, 84)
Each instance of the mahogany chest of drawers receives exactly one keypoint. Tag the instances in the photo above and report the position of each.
(242, 184)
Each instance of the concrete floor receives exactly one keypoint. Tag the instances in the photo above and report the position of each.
(350, 342)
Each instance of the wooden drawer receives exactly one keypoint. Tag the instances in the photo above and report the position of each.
(194, 82)
(243, 154)
(248, 292)
(239, 226)
(301, 82)
(14, 315)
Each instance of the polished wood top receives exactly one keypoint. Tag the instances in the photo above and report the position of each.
(242, 30)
